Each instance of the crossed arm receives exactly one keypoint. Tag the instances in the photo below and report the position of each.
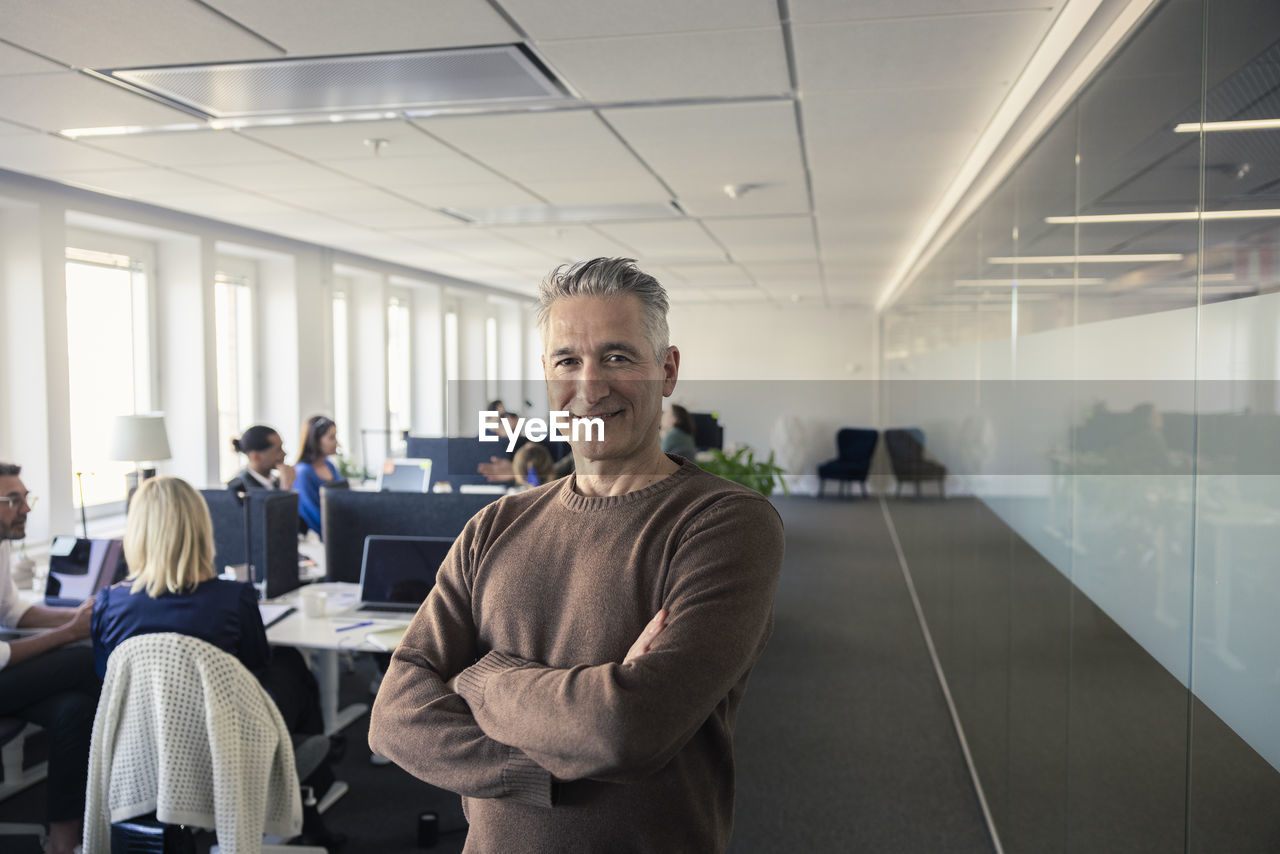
(514, 725)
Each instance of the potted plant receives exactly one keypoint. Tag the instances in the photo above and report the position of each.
(742, 467)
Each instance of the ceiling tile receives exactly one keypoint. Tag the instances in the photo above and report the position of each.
(917, 52)
(545, 131)
(317, 27)
(273, 177)
(123, 33)
(889, 112)
(665, 242)
(638, 189)
(770, 199)
(13, 60)
(133, 183)
(486, 195)
(573, 19)
(393, 172)
(346, 140)
(766, 239)
(568, 242)
(39, 153)
(684, 65)
(228, 204)
(189, 148)
(711, 275)
(826, 11)
(72, 100)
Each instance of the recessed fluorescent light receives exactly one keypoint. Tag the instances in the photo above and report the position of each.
(124, 130)
(1025, 283)
(1168, 216)
(1084, 259)
(1245, 124)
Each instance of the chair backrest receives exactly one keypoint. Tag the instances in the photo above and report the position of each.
(905, 446)
(185, 731)
(856, 444)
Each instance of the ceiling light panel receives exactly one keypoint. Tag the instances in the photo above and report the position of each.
(110, 33)
(681, 65)
(392, 81)
(1142, 258)
(305, 27)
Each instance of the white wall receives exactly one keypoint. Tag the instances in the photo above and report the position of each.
(779, 378)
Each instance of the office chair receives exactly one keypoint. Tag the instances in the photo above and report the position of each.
(13, 736)
(184, 731)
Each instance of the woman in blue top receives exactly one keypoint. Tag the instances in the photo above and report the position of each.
(313, 469)
(677, 431)
(171, 587)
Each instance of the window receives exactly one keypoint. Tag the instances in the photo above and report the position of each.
(399, 365)
(451, 371)
(491, 358)
(341, 364)
(233, 332)
(108, 357)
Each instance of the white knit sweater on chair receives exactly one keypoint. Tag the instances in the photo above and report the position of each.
(185, 730)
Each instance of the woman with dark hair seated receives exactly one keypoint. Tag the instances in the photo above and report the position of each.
(267, 468)
(677, 431)
(319, 442)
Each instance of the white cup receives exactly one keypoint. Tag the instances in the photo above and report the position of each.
(313, 602)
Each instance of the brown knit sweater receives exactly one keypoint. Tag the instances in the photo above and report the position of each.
(554, 744)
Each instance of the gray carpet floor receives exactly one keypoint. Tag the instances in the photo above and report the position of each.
(843, 743)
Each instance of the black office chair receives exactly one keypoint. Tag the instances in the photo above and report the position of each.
(854, 448)
(14, 733)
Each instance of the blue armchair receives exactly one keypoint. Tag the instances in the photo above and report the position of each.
(855, 448)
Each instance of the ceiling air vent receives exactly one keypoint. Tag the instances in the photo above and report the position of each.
(344, 84)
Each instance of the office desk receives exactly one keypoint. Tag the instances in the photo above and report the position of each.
(321, 637)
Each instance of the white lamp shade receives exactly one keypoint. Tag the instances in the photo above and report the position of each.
(139, 438)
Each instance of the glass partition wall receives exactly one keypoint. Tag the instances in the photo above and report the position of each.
(1094, 357)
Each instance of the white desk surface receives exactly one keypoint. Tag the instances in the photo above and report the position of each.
(326, 632)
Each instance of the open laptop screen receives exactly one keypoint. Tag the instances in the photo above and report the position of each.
(405, 476)
(79, 568)
(399, 572)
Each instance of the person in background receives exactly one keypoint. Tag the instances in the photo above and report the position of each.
(172, 587)
(313, 469)
(267, 468)
(43, 678)
(533, 466)
(677, 432)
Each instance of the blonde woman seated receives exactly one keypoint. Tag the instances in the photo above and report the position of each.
(171, 587)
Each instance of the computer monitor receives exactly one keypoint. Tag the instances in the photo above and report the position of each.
(405, 475)
(79, 568)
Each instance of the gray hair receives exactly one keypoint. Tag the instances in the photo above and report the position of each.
(10, 470)
(609, 277)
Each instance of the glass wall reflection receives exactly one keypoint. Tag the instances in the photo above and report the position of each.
(1094, 358)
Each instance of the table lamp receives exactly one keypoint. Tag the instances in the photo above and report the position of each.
(137, 439)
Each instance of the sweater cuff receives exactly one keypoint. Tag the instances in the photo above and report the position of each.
(470, 683)
(527, 782)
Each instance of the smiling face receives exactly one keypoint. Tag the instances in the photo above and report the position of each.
(13, 521)
(599, 364)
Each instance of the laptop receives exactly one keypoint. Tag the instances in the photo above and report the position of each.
(79, 568)
(405, 475)
(397, 573)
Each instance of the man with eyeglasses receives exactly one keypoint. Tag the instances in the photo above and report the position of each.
(43, 678)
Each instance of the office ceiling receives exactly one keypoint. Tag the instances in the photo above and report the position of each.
(838, 124)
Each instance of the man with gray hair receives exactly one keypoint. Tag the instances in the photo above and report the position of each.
(42, 679)
(576, 672)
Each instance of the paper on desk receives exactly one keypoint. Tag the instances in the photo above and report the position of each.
(272, 614)
(386, 639)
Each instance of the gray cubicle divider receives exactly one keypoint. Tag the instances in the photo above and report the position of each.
(347, 517)
(273, 535)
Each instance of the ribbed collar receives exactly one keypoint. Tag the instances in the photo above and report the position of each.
(571, 499)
